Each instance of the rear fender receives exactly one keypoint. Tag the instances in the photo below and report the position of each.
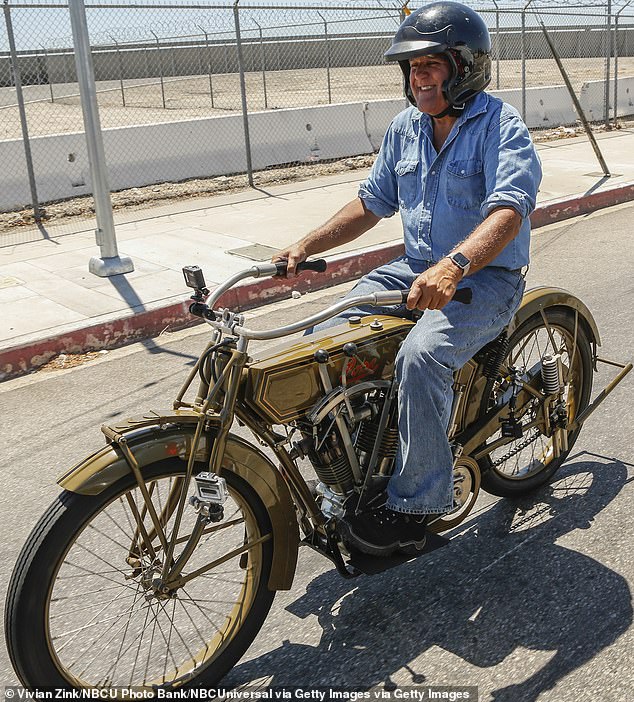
(534, 302)
(542, 298)
(158, 437)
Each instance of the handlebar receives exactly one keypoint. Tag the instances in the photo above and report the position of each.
(385, 298)
(263, 270)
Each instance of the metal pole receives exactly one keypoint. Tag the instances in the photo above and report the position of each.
(524, 58)
(48, 77)
(116, 43)
(497, 45)
(327, 57)
(17, 80)
(211, 86)
(582, 117)
(608, 51)
(616, 59)
(616, 67)
(160, 64)
(266, 104)
(243, 93)
(110, 263)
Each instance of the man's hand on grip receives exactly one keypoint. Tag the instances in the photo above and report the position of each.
(434, 288)
(293, 255)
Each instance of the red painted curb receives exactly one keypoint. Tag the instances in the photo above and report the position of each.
(566, 208)
(25, 358)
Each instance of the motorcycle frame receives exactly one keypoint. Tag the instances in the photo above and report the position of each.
(210, 417)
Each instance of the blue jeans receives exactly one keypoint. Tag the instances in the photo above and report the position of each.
(441, 342)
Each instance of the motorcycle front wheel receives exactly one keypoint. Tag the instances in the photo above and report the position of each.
(526, 463)
(81, 607)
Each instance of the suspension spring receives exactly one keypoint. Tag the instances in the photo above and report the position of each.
(550, 374)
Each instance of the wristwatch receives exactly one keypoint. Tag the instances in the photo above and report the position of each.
(461, 261)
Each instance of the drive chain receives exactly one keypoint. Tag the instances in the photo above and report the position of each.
(520, 447)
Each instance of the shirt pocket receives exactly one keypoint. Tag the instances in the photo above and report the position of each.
(465, 184)
(407, 178)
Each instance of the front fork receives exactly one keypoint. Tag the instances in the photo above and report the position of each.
(170, 576)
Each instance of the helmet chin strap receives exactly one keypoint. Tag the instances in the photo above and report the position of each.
(450, 110)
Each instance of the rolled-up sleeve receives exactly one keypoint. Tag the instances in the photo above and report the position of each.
(512, 168)
(379, 191)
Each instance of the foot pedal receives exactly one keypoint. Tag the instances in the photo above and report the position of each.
(373, 565)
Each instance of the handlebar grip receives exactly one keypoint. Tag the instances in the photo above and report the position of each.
(318, 265)
(464, 296)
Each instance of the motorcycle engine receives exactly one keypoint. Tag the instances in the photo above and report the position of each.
(372, 436)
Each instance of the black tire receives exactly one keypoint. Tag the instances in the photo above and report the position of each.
(524, 471)
(49, 578)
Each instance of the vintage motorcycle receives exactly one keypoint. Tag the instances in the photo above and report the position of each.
(157, 565)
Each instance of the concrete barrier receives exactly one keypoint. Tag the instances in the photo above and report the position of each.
(175, 151)
(593, 103)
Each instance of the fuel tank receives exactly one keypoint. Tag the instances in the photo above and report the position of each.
(283, 382)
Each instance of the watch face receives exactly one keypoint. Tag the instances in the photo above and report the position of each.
(461, 259)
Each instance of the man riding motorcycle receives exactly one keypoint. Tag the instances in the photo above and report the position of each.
(460, 167)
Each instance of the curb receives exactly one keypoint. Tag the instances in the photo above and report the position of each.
(25, 358)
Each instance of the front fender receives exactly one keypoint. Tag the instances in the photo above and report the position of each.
(157, 437)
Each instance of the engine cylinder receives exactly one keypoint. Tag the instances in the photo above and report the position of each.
(366, 439)
(331, 464)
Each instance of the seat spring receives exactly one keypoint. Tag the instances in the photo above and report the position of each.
(495, 354)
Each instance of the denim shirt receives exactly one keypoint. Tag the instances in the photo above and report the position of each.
(487, 161)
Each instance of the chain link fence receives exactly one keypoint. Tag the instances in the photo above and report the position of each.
(173, 80)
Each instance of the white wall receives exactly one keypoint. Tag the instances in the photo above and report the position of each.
(174, 151)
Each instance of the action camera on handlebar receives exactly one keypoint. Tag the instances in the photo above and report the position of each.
(195, 279)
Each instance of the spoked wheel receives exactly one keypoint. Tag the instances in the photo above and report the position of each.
(526, 463)
(83, 607)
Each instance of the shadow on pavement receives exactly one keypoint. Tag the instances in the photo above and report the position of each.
(503, 584)
(129, 295)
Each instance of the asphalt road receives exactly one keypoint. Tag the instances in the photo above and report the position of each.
(531, 600)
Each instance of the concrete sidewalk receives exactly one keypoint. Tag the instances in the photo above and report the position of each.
(50, 303)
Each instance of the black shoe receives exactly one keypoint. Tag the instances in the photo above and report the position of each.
(382, 531)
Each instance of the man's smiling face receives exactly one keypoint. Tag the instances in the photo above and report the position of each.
(426, 77)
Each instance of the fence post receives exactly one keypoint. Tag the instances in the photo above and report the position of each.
(323, 19)
(116, 43)
(110, 263)
(497, 45)
(160, 63)
(17, 81)
(211, 86)
(243, 93)
(524, 59)
(263, 54)
(616, 67)
(608, 51)
(48, 77)
(616, 59)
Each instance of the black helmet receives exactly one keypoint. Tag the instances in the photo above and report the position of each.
(456, 32)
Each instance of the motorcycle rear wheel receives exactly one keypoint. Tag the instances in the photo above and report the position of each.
(78, 614)
(516, 469)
